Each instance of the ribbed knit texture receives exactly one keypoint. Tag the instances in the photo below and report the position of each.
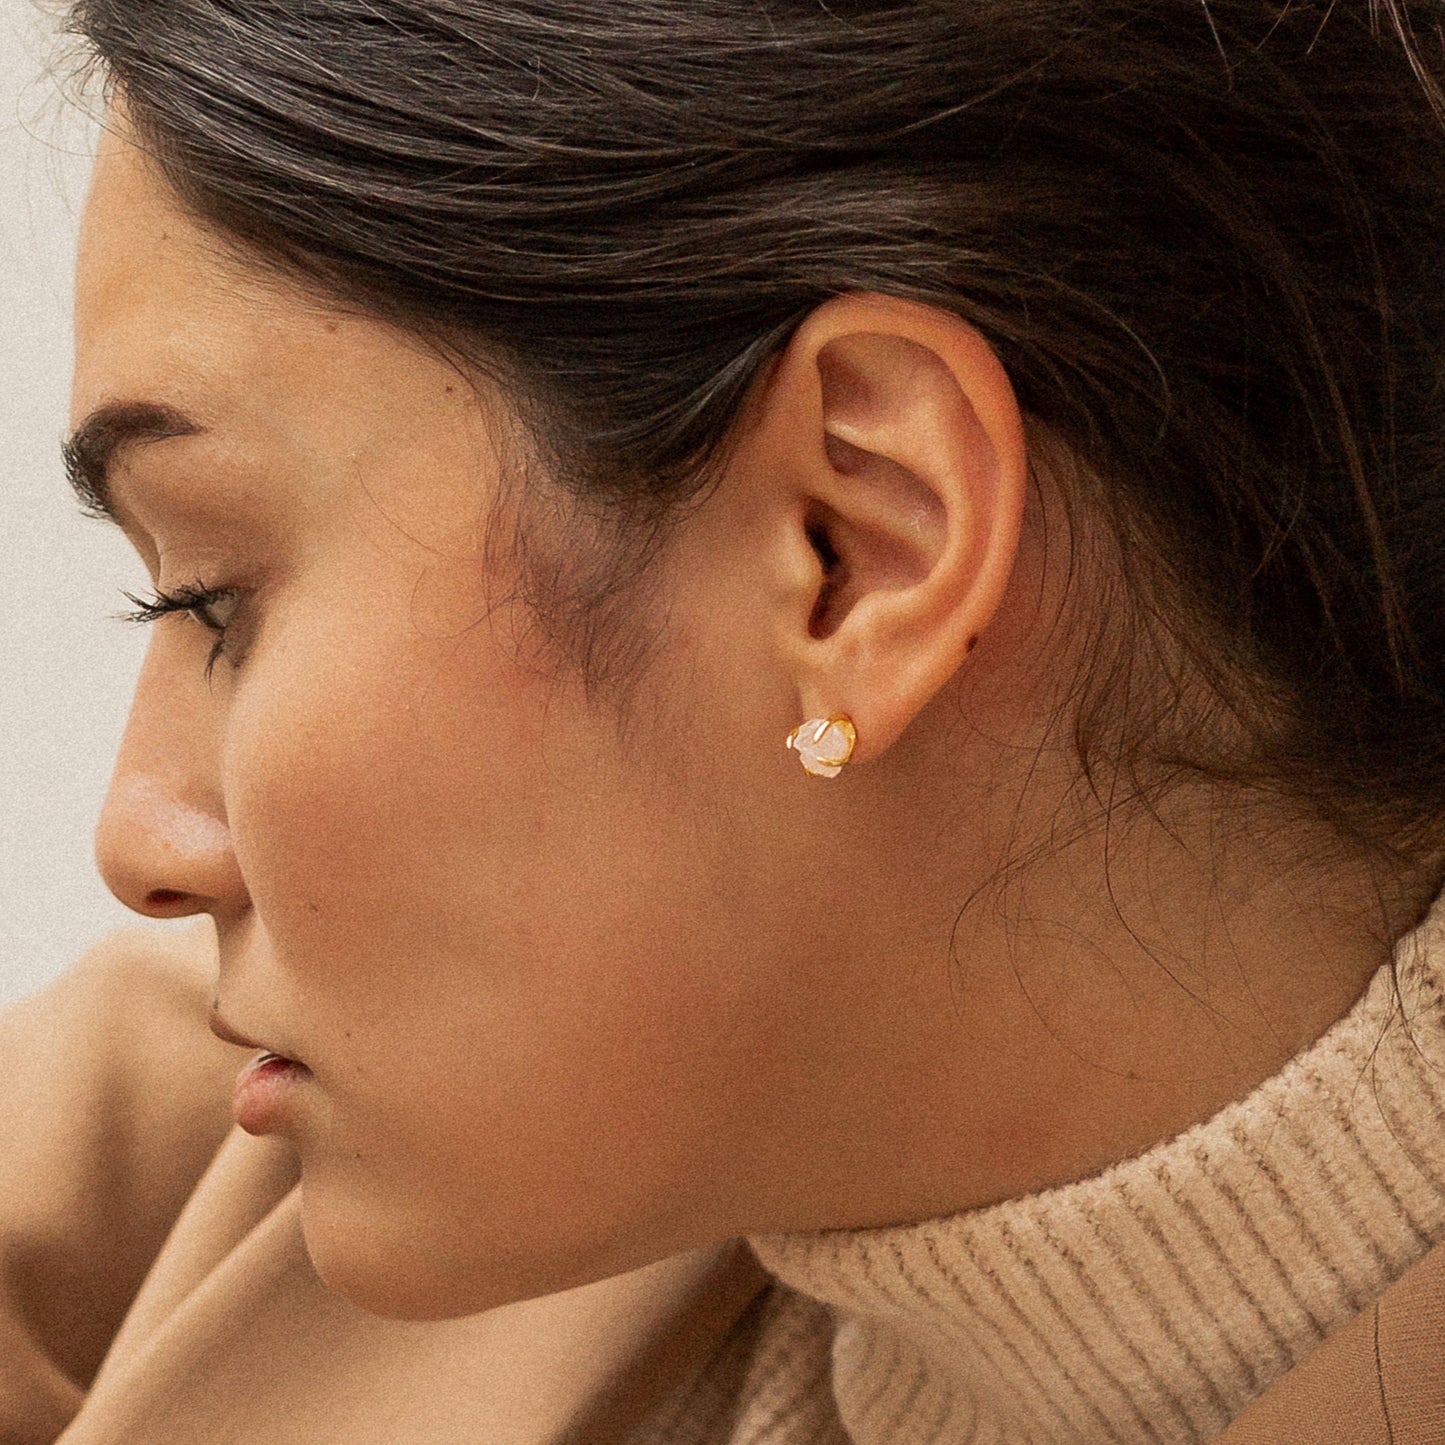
(1151, 1302)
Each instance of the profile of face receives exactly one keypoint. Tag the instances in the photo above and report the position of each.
(574, 993)
(583, 980)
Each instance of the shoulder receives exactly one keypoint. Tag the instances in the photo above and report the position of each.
(113, 1099)
(177, 965)
(1377, 1379)
(146, 978)
(120, 1042)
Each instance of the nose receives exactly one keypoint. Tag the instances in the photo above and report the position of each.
(163, 843)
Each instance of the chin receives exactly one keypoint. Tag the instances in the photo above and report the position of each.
(417, 1301)
(395, 1274)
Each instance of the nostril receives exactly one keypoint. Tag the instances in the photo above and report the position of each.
(162, 898)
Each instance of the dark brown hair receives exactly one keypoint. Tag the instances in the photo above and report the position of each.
(1203, 235)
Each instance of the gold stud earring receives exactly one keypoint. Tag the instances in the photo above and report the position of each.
(824, 744)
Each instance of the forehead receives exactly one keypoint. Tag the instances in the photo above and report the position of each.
(156, 296)
(167, 314)
(295, 411)
(162, 312)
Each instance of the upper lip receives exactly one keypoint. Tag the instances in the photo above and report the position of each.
(223, 1030)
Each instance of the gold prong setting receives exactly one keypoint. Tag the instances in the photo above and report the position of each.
(824, 744)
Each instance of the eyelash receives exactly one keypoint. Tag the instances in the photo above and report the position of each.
(196, 600)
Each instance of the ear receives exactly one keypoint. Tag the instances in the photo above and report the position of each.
(901, 447)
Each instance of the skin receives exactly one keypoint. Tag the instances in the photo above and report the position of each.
(583, 982)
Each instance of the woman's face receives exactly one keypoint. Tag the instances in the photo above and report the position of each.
(549, 974)
(582, 984)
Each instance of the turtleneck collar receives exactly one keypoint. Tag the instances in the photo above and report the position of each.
(1155, 1300)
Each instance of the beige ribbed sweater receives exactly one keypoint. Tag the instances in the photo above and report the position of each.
(1151, 1302)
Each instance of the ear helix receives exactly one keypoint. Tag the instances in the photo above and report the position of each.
(824, 744)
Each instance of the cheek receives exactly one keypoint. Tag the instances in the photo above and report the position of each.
(389, 789)
(503, 954)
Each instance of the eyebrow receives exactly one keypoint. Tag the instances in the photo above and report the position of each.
(89, 453)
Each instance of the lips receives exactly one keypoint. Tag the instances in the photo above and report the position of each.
(266, 1088)
(265, 1092)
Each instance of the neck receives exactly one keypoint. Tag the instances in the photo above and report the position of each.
(1163, 1294)
(1161, 966)
(1109, 990)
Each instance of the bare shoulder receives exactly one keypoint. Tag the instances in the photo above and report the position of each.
(171, 969)
(114, 1098)
(135, 1003)
(174, 966)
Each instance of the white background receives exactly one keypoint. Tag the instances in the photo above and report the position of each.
(66, 670)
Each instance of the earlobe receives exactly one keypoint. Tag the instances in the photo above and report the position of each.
(908, 448)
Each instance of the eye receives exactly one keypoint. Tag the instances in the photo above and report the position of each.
(213, 607)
